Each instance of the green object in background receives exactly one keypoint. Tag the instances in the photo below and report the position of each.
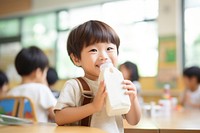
(170, 55)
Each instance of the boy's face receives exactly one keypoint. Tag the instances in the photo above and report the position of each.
(95, 55)
(4, 90)
(190, 83)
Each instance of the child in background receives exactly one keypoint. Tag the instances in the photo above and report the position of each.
(52, 78)
(191, 95)
(32, 65)
(89, 45)
(3, 84)
(130, 72)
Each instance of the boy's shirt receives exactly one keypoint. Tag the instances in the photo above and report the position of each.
(70, 97)
(194, 97)
(41, 96)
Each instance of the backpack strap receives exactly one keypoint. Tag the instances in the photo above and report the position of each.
(87, 97)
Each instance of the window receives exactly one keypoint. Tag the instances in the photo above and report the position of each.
(134, 21)
(137, 30)
(41, 31)
(7, 60)
(192, 33)
(9, 28)
(9, 43)
(139, 45)
(65, 67)
(63, 19)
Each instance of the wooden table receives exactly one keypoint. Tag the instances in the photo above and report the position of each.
(186, 121)
(47, 128)
(146, 125)
(178, 122)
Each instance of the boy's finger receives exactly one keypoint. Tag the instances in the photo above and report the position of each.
(127, 82)
(104, 94)
(101, 87)
(130, 92)
(129, 87)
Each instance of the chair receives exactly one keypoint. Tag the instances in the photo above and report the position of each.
(18, 106)
(26, 108)
(9, 105)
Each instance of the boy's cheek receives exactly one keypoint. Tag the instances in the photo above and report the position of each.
(115, 62)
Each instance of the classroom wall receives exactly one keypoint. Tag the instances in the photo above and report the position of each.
(169, 29)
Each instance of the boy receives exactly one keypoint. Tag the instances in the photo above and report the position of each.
(191, 95)
(52, 78)
(3, 84)
(32, 64)
(90, 45)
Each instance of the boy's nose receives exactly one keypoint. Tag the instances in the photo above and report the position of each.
(103, 56)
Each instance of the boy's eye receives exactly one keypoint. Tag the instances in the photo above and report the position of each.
(93, 50)
(109, 48)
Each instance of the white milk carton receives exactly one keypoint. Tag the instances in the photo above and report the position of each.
(117, 103)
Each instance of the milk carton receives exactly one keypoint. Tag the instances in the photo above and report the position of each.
(117, 103)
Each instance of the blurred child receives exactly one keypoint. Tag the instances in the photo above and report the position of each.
(130, 72)
(52, 78)
(89, 45)
(3, 84)
(32, 65)
(191, 95)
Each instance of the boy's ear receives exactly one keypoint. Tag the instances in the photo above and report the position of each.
(75, 60)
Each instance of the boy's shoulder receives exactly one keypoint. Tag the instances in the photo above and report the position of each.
(71, 84)
(35, 86)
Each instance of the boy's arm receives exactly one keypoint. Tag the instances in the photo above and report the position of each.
(51, 114)
(73, 114)
(134, 114)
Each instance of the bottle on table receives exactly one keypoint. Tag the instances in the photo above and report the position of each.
(167, 91)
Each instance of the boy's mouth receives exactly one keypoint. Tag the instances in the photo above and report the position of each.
(98, 66)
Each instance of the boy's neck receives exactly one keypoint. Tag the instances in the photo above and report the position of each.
(94, 78)
(27, 79)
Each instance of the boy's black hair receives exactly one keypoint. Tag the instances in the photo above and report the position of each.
(134, 75)
(29, 59)
(88, 33)
(3, 79)
(193, 71)
(52, 76)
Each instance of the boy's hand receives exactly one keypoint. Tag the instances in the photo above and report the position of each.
(131, 89)
(99, 99)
